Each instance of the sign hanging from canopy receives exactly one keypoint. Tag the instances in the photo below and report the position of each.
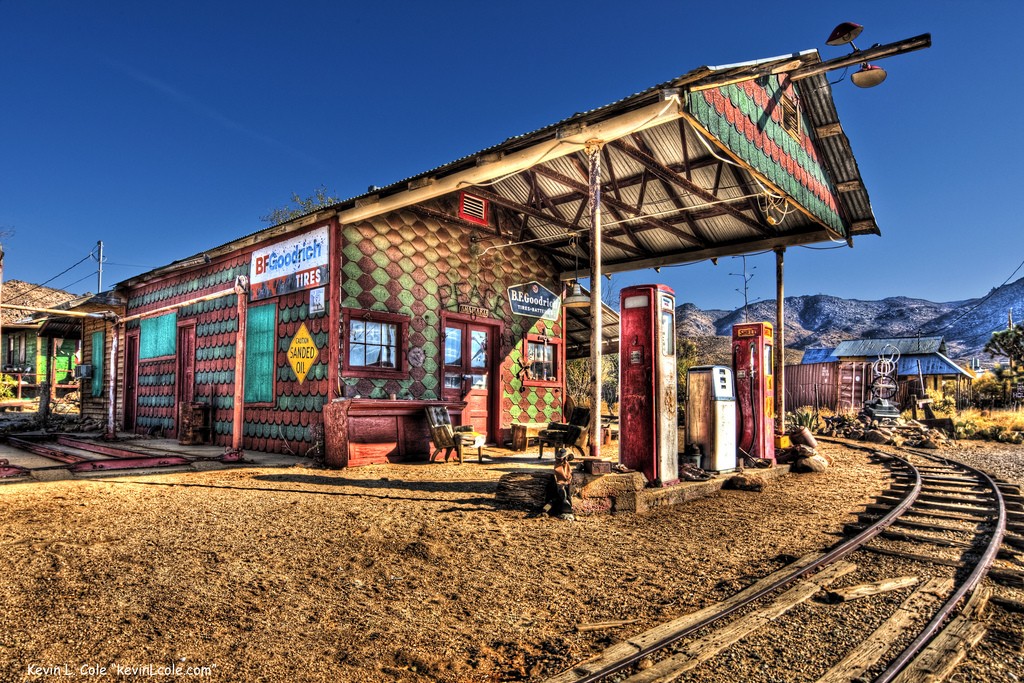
(534, 300)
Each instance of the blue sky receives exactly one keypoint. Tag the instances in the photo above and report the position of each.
(164, 129)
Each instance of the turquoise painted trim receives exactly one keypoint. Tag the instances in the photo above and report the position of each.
(97, 363)
(260, 353)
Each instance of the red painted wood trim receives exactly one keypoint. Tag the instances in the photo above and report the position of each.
(334, 310)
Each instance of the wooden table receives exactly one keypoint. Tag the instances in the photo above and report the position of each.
(522, 432)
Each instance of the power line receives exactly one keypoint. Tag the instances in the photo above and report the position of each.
(72, 284)
(975, 306)
(42, 284)
(127, 265)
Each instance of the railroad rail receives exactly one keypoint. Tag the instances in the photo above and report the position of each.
(85, 455)
(933, 505)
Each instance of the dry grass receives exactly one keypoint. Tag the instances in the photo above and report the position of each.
(1008, 420)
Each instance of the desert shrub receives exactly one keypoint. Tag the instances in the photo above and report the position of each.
(966, 429)
(804, 416)
(992, 433)
(990, 425)
(7, 384)
(942, 403)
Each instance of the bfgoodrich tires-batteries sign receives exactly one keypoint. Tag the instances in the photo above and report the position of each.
(290, 266)
(534, 300)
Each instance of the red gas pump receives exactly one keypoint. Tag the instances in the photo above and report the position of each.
(647, 383)
(755, 386)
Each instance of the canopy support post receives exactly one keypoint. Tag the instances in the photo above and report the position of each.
(593, 150)
(780, 342)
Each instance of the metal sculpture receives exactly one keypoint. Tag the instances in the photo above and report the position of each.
(884, 386)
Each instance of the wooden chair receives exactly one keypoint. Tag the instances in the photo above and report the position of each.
(445, 436)
(571, 434)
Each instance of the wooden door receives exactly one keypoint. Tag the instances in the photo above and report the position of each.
(131, 379)
(186, 367)
(854, 386)
(467, 374)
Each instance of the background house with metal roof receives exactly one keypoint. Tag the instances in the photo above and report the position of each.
(840, 378)
(88, 323)
(399, 291)
(27, 351)
(923, 358)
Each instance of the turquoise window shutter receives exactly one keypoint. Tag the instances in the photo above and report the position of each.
(97, 363)
(259, 354)
(158, 336)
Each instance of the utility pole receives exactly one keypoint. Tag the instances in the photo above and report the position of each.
(99, 272)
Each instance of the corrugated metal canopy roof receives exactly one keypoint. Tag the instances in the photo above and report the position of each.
(70, 327)
(669, 193)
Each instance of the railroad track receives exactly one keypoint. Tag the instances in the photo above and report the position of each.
(904, 585)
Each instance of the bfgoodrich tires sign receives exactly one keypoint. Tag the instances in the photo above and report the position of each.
(289, 266)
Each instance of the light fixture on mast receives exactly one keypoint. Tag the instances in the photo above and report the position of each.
(869, 75)
(576, 298)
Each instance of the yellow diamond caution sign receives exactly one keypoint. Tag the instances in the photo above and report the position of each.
(302, 353)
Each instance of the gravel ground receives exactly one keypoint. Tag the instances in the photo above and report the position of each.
(1000, 656)
(1003, 461)
(380, 573)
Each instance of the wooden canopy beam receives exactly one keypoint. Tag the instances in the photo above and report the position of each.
(609, 201)
(672, 190)
(663, 174)
(554, 245)
(626, 182)
(616, 214)
(737, 248)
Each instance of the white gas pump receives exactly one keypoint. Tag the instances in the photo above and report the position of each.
(711, 416)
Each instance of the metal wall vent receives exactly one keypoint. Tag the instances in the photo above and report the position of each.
(473, 209)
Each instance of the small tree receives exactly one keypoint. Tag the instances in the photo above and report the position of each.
(1009, 343)
(578, 380)
(7, 384)
(300, 206)
(686, 358)
(989, 388)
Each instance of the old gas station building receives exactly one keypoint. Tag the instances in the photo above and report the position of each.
(444, 288)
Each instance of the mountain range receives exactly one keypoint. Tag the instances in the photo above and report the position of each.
(823, 320)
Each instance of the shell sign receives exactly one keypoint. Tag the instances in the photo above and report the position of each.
(302, 353)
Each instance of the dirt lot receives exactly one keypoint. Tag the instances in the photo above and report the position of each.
(380, 573)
